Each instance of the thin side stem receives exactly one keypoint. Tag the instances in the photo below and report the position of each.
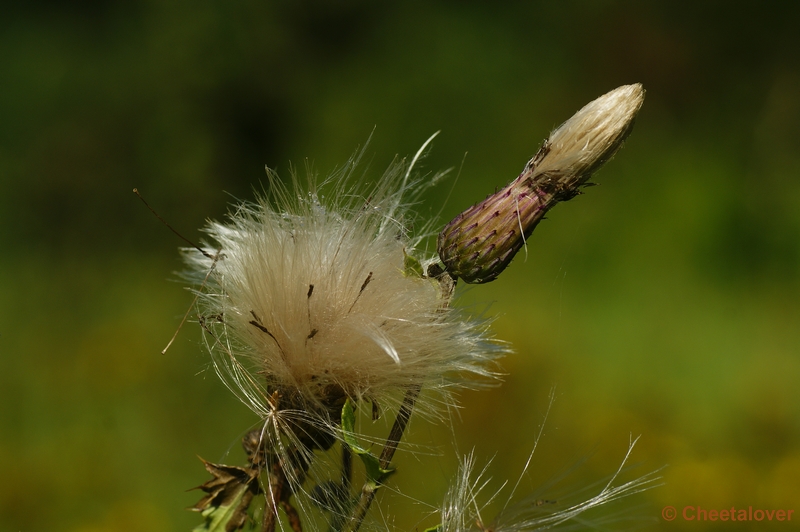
(273, 498)
(395, 435)
(347, 468)
(292, 516)
(399, 427)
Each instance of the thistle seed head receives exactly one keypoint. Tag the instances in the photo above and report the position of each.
(478, 244)
(312, 300)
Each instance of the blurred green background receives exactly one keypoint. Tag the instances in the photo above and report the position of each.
(663, 303)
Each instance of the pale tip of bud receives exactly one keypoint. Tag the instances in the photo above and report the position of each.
(586, 141)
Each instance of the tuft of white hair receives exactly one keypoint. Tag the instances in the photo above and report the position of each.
(545, 509)
(582, 144)
(317, 298)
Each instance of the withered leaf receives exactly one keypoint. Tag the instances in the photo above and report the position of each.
(229, 495)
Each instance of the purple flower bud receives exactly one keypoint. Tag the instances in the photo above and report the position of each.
(478, 244)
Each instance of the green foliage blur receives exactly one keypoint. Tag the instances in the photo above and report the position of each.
(665, 302)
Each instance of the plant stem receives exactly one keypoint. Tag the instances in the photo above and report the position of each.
(273, 496)
(347, 467)
(395, 435)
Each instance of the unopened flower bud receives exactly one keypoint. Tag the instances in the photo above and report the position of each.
(478, 244)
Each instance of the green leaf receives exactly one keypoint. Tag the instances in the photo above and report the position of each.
(412, 267)
(375, 473)
(222, 518)
(348, 425)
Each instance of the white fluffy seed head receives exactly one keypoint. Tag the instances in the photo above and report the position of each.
(312, 297)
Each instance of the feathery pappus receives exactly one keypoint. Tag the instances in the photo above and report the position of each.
(556, 505)
(309, 299)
